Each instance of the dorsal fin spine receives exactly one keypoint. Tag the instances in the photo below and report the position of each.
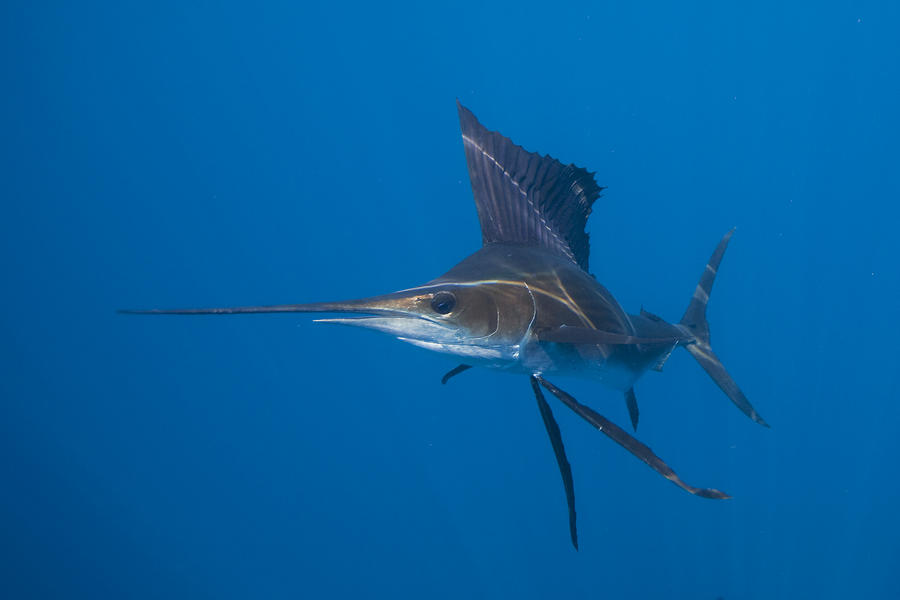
(523, 197)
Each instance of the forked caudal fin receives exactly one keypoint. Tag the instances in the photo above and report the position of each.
(694, 321)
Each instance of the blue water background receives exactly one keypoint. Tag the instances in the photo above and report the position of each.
(218, 153)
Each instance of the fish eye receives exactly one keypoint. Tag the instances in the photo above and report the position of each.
(443, 302)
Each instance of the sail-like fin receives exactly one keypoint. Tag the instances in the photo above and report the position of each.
(525, 198)
(454, 372)
(694, 321)
(559, 450)
(567, 334)
(631, 403)
(621, 437)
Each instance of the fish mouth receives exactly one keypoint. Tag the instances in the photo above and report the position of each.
(399, 314)
(431, 335)
(402, 314)
(408, 318)
(405, 327)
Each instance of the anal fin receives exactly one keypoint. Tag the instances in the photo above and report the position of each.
(662, 359)
(631, 403)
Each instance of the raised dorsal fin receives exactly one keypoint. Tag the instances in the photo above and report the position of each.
(523, 197)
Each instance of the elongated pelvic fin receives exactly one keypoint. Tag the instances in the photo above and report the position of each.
(621, 437)
(567, 334)
(716, 370)
(454, 372)
(565, 469)
(631, 403)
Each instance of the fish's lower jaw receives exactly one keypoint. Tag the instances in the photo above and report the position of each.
(484, 355)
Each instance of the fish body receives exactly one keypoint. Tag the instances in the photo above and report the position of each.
(525, 302)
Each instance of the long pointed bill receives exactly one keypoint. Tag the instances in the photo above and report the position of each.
(393, 303)
(408, 315)
(446, 318)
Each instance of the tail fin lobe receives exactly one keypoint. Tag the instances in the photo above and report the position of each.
(695, 316)
(716, 370)
(694, 322)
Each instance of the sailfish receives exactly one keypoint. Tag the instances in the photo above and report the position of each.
(526, 303)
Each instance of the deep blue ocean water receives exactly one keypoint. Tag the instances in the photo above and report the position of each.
(163, 155)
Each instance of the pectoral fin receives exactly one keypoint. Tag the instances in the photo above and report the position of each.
(454, 372)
